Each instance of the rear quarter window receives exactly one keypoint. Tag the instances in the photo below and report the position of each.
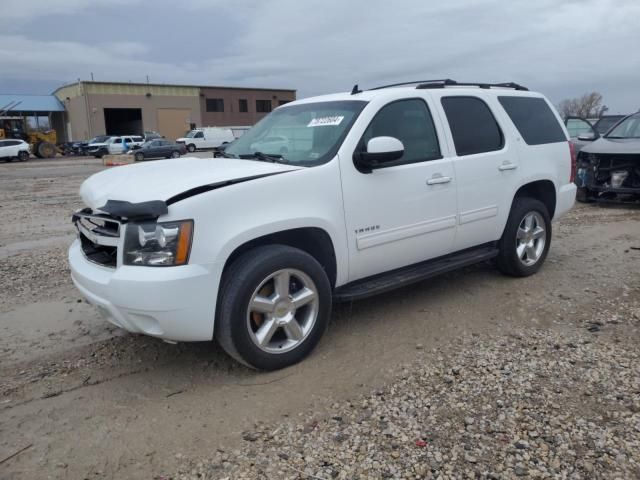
(534, 119)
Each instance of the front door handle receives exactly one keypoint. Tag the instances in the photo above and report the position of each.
(438, 178)
(507, 166)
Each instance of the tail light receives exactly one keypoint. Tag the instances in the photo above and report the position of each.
(572, 150)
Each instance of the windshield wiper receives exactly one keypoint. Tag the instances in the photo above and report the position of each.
(263, 157)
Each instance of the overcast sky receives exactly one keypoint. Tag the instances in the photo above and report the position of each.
(562, 48)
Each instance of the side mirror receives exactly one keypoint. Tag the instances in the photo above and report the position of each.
(380, 150)
(588, 137)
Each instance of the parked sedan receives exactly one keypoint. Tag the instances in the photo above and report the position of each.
(159, 149)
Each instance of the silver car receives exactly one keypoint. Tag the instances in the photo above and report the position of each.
(609, 167)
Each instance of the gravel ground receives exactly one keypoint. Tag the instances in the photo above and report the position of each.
(546, 403)
(466, 375)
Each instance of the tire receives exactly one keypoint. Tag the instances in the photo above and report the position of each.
(252, 275)
(191, 148)
(530, 214)
(139, 157)
(23, 156)
(175, 154)
(46, 150)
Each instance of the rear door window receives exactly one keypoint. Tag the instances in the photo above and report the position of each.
(534, 119)
(473, 126)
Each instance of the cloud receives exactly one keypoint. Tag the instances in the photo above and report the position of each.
(320, 46)
(26, 10)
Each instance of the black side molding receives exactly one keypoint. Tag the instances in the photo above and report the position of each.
(214, 186)
(135, 211)
(384, 282)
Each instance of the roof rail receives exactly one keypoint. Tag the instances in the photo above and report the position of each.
(411, 83)
(453, 83)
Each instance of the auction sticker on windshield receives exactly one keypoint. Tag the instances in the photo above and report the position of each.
(324, 121)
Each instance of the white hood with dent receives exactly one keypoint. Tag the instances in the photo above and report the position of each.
(161, 180)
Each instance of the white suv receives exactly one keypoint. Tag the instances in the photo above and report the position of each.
(14, 148)
(378, 189)
(114, 145)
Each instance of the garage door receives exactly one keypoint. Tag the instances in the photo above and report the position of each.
(173, 122)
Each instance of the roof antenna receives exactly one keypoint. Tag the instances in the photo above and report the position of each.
(355, 90)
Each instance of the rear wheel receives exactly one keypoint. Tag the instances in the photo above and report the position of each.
(526, 239)
(191, 147)
(273, 308)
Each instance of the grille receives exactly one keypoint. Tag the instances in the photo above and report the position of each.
(99, 237)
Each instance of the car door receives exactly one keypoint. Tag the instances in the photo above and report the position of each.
(405, 212)
(162, 148)
(579, 130)
(485, 162)
(4, 149)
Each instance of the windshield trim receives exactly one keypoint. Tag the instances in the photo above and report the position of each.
(332, 152)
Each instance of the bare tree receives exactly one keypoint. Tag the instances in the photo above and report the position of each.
(588, 105)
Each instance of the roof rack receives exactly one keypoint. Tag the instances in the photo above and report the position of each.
(446, 82)
(452, 83)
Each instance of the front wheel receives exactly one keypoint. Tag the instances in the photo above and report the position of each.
(23, 156)
(526, 239)
(175, 154)
(139, 157)
(273, 308)
(191, 147)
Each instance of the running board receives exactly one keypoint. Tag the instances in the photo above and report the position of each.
(413, 273)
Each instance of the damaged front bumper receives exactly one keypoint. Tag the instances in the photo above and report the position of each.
(608, 177)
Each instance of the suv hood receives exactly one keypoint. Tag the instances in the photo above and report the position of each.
(613, 145)
(165, 179)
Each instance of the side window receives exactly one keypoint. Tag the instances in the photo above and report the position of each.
(117, 140)
(473, 126)
(199, 135)
(410, 122)
(536, 122)
(3, 143)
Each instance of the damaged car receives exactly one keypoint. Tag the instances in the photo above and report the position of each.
(609, 168)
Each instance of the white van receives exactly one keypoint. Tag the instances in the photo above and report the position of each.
(207, 137)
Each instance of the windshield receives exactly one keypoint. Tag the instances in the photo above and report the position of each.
(605, 123)
(192, 133)
(628, 128)
(306, 134)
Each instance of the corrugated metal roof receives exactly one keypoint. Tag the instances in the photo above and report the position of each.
(31, 103)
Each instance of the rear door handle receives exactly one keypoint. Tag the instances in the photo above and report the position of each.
(437, 178)
(507, 166)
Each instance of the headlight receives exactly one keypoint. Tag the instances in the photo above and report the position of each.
(158, 244)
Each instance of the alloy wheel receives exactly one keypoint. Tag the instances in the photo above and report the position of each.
(282, 311)
(531, 238)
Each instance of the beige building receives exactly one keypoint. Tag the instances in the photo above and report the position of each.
(98, 108)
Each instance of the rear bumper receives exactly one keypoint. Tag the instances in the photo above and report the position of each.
(566, 199)
(172, 303)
